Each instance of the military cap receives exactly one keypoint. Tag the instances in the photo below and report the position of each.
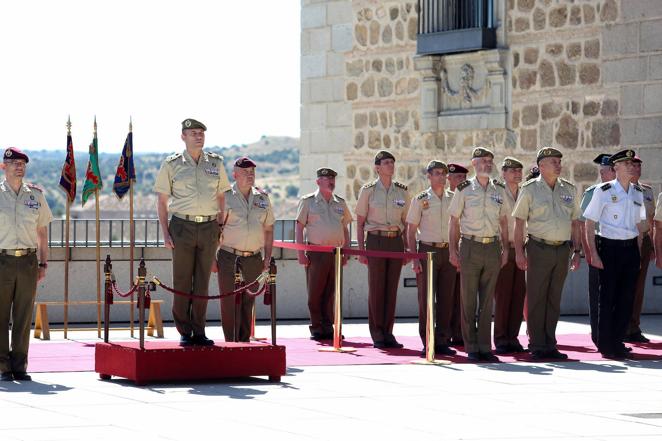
(510, 162)
(602, 159)
(15, 153)
(190, 123)
(481, 152)
(326, 172)
(383, 154)
(548, 152)
(623, 155)
(457, 168)
(637, 160)
(435, 163)
(244, 162)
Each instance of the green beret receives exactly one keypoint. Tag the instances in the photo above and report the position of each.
(510, 162)
(190, 123)
(548, 152)
(383, 154)
(326, 172)
(623, 155)
(481, 152)
(436, 164)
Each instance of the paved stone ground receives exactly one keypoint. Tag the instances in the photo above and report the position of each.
(549, 401)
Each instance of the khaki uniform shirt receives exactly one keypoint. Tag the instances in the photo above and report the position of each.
(384, 208)
(193, 187)
(244, 227)
(548, 213)
(430, 213)
(20, 216)
(478, 210)
(324, 221)
(509, 202)
(649, 203)
(658, 209)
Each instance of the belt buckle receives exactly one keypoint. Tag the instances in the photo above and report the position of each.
(485, 240)
(198, 219)
(19, 253)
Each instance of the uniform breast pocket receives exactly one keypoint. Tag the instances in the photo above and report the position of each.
(28, 214)
(376, 206)
(7, 214)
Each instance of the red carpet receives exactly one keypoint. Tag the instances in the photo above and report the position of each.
(75, 356)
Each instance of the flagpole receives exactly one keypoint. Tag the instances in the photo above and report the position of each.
(132, 231)
(67, 251)
(98, 248)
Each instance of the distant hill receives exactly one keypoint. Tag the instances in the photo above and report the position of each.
(277, 173)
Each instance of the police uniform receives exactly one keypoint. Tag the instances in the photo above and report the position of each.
(325, 223)
(602, 159)
(192, 189)
(385, 210)
(456, 314)
(510, 289)
(548, 214)
(243, 237)
(634, 333)
(619, 211)
(429, 214)
(479, 211)
(21, 215)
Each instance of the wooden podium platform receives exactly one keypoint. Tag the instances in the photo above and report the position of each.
(167, 361)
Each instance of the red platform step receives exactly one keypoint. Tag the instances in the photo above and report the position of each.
(167, 361)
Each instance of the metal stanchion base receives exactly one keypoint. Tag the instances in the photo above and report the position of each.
(258, 338)
(432, 362)
(334, 349)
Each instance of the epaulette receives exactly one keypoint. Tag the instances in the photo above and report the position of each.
(422, 195)
(308, 196)
(214, 155)
(637, 187)
(462, 185)
(499, 183)
(259, 190)
(529, 182)
(567, 182)
(591, 188)
(370, 184)
(339, 198)
(645, 186)
(173, 157)
(605, 187)
(402, 186)
(35, 187)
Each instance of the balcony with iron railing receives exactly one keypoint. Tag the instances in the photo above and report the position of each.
(454, 26)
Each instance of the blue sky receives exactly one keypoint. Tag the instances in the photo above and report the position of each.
(232, 65)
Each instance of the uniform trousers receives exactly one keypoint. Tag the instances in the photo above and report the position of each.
(620, 259)
(646, 251)
(192, 257)
(593, 294)
(237, 319)
(443, 287)
(547, 270)
(18, 287)
(479, 270)
(509, 302)
(320, 280)
(456, 316)
(383, 279)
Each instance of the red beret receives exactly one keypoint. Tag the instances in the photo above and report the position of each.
(15, 153)
(244, 162)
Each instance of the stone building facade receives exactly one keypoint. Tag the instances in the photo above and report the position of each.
(584, 76)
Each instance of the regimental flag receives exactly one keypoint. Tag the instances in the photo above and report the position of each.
(126, 173)
(68, 176)
(92, 175)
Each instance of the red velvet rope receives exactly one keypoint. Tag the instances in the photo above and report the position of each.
(349, 251)
(133, 289)
(220, 296)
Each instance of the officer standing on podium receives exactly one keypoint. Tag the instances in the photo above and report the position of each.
(619, 207)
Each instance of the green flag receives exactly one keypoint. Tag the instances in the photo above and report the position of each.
(92, 175)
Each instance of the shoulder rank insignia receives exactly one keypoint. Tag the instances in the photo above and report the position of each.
(498, 183)
(173, 157)
(422, 195)
(462, 185)
(339, 198)
(529, 182)
(214, 155)
(402, 186)
(370, 184)
(638, 188)
(605, 187)
(567, 182)
(646, 186)
(35, 187)
(259, 190)
(308, 196)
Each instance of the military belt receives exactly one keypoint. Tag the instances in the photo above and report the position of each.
(554, 243)
(483, 240)
(435, 244)
(196, 219)
(385, 233)
(18, 252)
(240, 252)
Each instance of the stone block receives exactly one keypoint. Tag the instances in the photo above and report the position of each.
(589, 13)
(539, 19)
(567, 134)
(385, 87)
(525, 5)
(609, 11)
(653, 99)
(547, 76)
(638, 9)
(412, 28)
(359, 140)
(591, 108)
(585, 172)
(531, 55)
(573, 51)
(624, 70)
(547, 133)
(354, 68)
(606, 133)
(530, 115)
(319, 39)
(313, 16)
(339, 12)
(368, 87)
(558, 16)
(335, 64)
(361, 34)
(352, 92)
(631, 100)
(342, 38)
(522, 24)
(313, 66)
(551, 110)
(338, 114)
(609, 107)
(655, 67)
(313, 116)
(335, 140)
(529, 139)
(527, 78)
(554, 49)
(651, 36)
(620, 39)
(387, 34)
(592, 49)
(375, 30)
(589, 73)
(567, 73)
(575, 16)
(321, 90)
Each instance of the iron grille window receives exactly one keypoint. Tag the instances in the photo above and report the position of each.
(452, 26)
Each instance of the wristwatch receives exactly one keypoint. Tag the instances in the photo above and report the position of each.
(42, 265)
